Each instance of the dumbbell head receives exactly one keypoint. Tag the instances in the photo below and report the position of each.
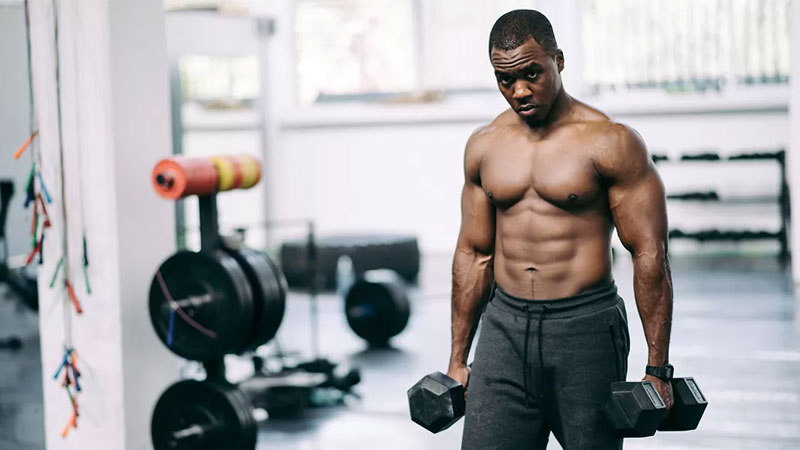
(689, 406)
(436, 402)
(634, 409)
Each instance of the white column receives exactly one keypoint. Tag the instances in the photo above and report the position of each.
(793, 155)
(278, 91)
(115, 124)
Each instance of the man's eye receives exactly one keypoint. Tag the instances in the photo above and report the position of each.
(532, 76)
(505, 81)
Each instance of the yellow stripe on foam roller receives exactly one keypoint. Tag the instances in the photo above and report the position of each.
(251, 171)
(226, 172)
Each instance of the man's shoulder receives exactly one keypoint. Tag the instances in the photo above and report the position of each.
(615, 146)
(480, 141)
(591, 121)
(485, 133)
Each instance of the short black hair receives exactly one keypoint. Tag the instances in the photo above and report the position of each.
(513, 28)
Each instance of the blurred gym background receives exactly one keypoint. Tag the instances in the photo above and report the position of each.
(359, 111)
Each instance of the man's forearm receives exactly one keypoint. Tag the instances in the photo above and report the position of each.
(472, 279)
(652, 285)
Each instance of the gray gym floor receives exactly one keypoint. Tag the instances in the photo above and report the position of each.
(736, 330)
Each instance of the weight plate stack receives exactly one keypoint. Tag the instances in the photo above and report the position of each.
(214, 297)
(269, 294)
(203, 415)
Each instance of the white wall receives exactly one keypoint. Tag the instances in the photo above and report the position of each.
(406, 175)
(794, 125)
(115, 125)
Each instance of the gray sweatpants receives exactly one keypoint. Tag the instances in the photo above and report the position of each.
(546, 365)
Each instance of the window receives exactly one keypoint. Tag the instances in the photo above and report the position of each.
(354, 47)
(359, 48)
(456, 42)
(685, 45)
(229, 79)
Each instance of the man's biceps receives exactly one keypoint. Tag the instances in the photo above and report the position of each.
(475, 245)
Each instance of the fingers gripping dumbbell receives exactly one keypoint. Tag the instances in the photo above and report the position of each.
(635, 409)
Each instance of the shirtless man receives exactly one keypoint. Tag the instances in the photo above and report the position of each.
(545, 184)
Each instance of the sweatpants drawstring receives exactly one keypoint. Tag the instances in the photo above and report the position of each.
(541, 357)
(525, 357)
(525, 368)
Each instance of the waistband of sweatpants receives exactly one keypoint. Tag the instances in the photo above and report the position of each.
(587, 302)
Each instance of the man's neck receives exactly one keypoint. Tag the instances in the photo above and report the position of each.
(560, 109)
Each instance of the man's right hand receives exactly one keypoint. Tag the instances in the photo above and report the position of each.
(459, 373)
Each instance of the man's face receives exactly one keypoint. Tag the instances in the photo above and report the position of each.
(528, 78)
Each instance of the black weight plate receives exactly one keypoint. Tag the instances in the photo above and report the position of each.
(283, 288)
(282, 284)
(245, 408)
(269, 295)
(216, 407)
(212, 290)
(377, 307)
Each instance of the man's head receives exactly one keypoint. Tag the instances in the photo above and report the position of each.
(527, 62)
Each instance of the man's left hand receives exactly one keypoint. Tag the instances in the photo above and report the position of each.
(664, 389)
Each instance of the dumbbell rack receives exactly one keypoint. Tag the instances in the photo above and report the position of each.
(781, 235)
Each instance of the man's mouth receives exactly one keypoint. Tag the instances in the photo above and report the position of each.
(527, 109)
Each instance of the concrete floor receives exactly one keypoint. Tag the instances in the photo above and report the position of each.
(21, 409)
(736, 330)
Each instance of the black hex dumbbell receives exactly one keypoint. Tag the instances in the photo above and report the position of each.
(635, 409)
(436, 402)
(689, 406)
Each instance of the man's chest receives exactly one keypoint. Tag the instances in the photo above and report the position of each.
(561, 173)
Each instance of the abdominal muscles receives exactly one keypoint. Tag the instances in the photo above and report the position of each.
(544, 251)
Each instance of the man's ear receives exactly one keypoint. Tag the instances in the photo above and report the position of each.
(560, 60)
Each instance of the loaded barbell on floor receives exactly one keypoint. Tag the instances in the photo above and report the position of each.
(215, 414)
(212, 415)
(203, 415)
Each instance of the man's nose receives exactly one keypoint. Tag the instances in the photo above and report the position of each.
(521, 90)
